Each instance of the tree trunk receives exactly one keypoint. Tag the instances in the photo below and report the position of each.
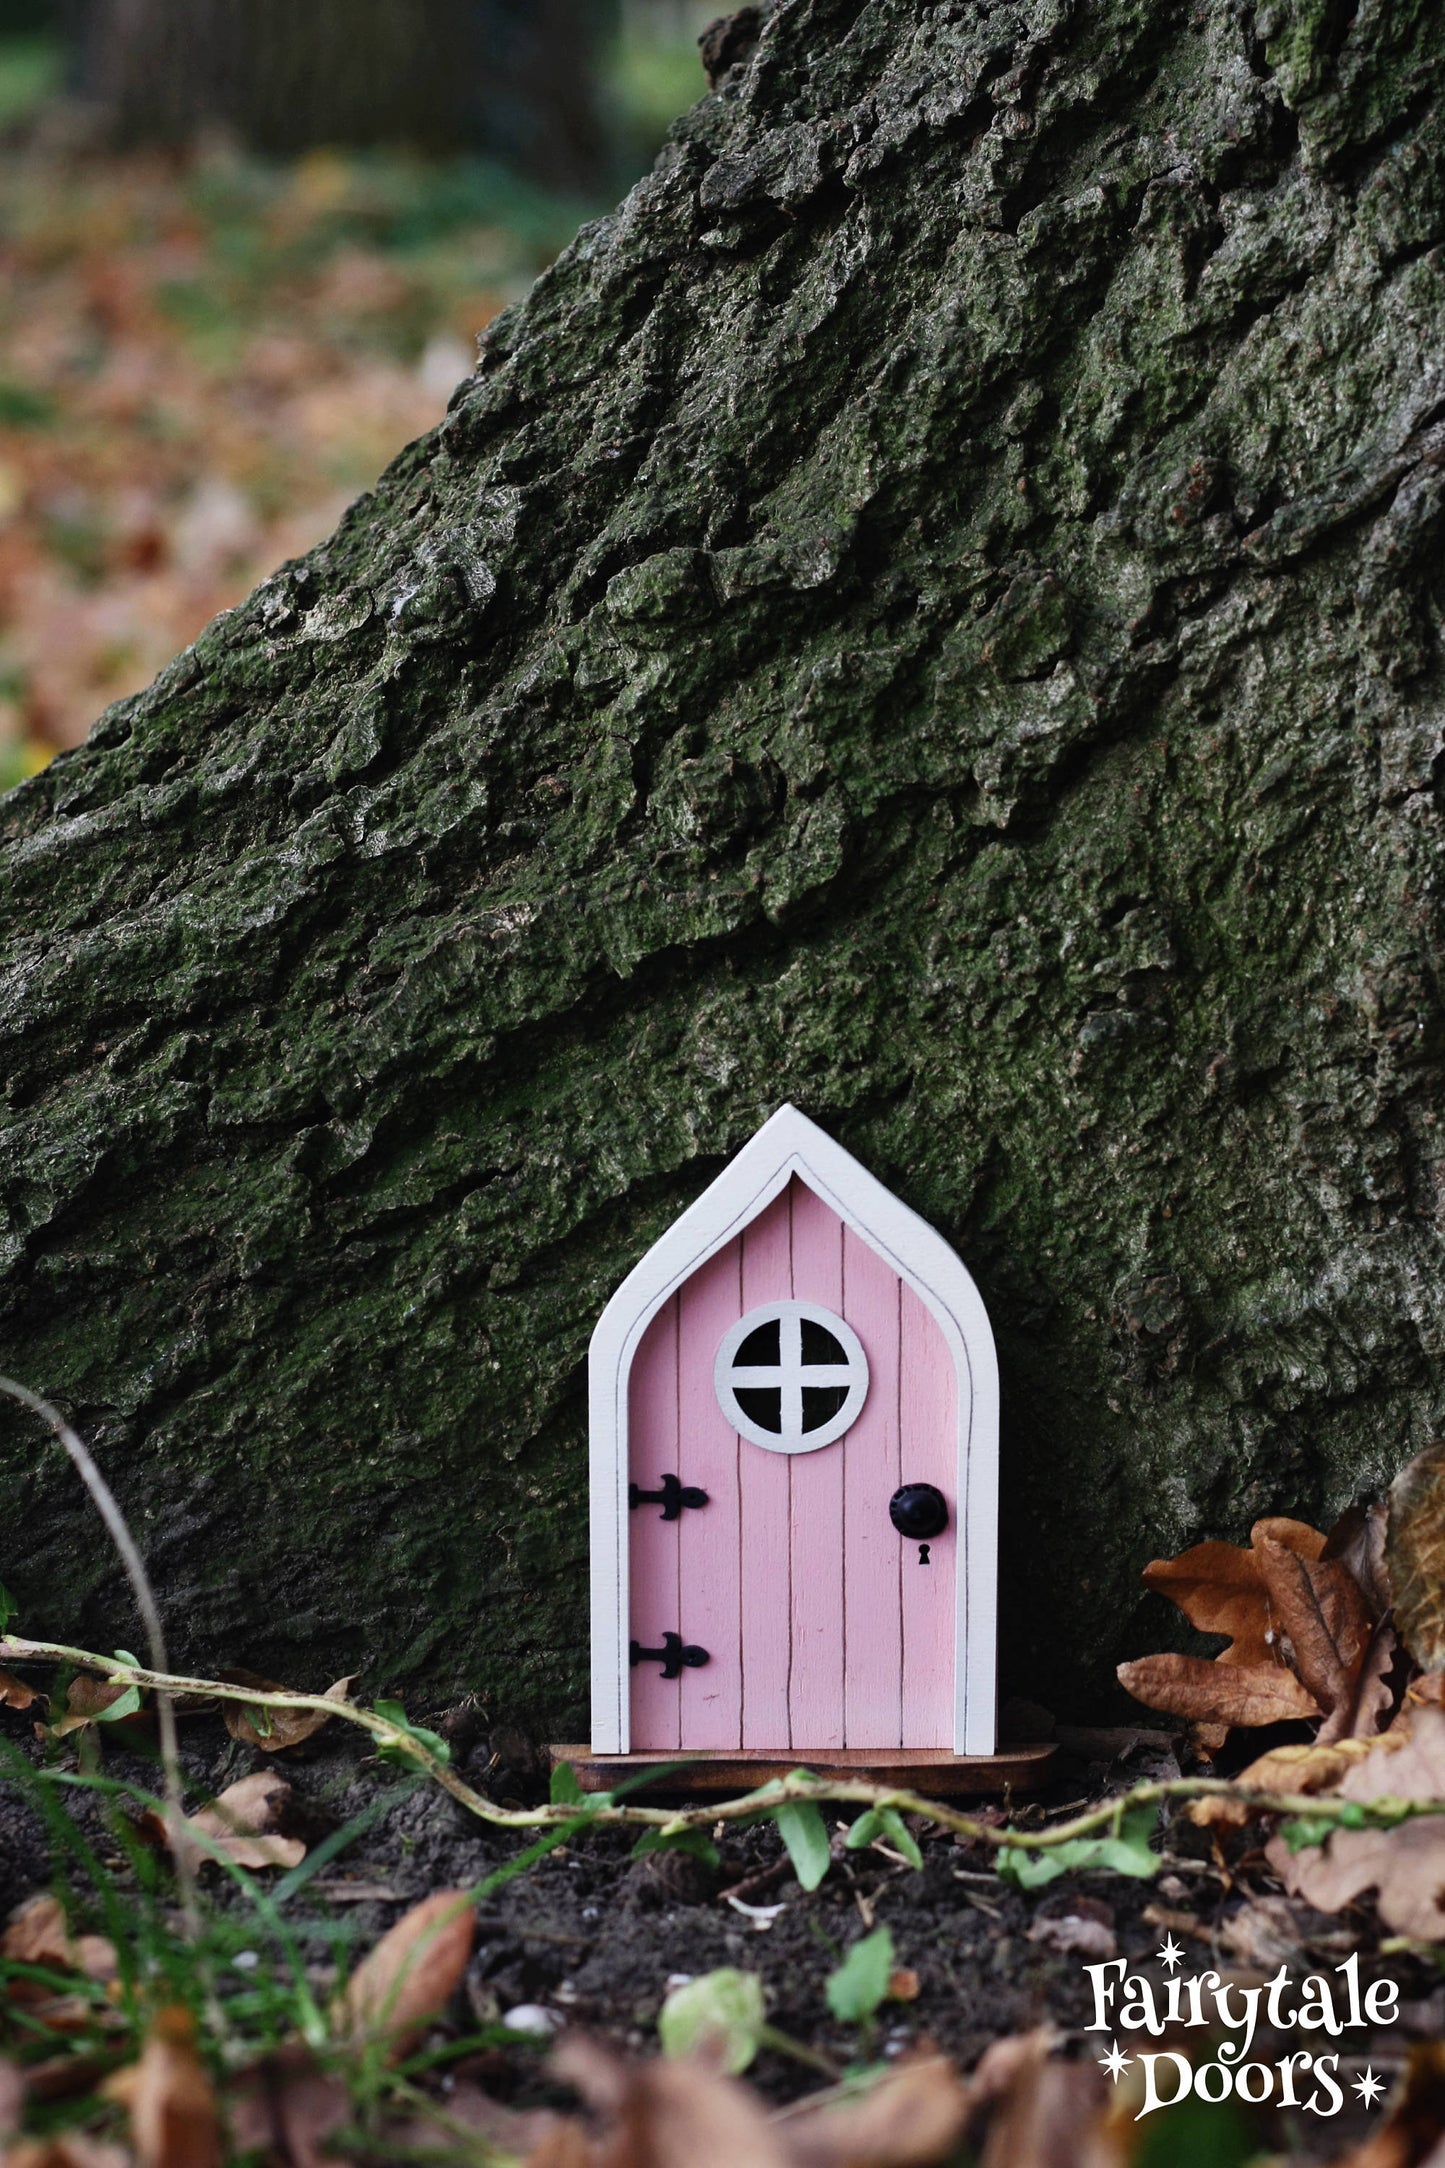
(516, 78)
(931, 611)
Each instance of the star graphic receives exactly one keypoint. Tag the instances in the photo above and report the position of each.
(1369, 2087)
(1171, 1952)
(1116, 2062)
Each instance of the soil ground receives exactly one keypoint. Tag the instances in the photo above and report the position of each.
(597, 1938)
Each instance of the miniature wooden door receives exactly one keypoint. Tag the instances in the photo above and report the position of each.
(792, 1527)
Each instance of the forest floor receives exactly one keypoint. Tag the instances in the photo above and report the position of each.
(202, 362)
(205, 358)
(591, 1939)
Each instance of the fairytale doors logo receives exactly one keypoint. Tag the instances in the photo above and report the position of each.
(1305, 2078)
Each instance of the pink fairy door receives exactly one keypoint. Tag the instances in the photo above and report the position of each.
(792, 1426)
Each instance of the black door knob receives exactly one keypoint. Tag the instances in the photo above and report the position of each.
(919, 1511)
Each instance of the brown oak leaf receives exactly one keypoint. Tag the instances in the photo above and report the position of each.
(1321, 1610)
(68, 2149)
(1405, 1864)
(12, 2099)
(39, 1934)
(1415, 2126)
(662, 2112)
(1220, 1589)
(409, 1978)
(86, 1702)
(1208, 1689)
(243, 1823)
(1303, 1638)
(1030, 2106)
(1358, 1541)
(1309, 1767)
(287, 2107)
(273, 1730)
(169, 2098)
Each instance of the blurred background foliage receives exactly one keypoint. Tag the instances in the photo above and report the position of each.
(233, 285)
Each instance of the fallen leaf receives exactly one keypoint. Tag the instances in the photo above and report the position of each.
(1210, 1689)
(169, 2098)
(1313, 1766)
(1220, 1588)
(1415, 1556)
(38, 1934)
(1175, 1922)
(70, 2150)
(1374, 1694)
(1036, 2109)
(911, 2118)
(1266, 1932)
(1321, 1608)
(683, 2114)
(88, 1701)
(68, 2015)
(1006, 2063)
(273, 1730)
(15, 1694)
(1358, 1541)
(67, 2076)
(1415, 2119)
(514, 2133)
(286, 2107)
(1300, 1625)
(241, 1823)
(1406, 1864)
(660, 2113)
(1072, 1936)
(12, 2099)
(409, 1978)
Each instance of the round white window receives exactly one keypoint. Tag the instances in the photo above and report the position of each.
(791, 1377)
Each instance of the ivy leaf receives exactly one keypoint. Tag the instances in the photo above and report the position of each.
(693, 1841)
(719, 2015)
(867, 1828)
(860, 1983)
(434, 1744)
(884, 1822)
(1127, 1853)
(1304, 1831)
(565, 1790)
(801, 1827)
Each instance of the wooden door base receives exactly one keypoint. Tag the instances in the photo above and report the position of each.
(729, 1769)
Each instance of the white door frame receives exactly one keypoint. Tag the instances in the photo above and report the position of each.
(788, 1144)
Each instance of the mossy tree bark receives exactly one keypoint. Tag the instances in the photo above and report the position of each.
(932, 611)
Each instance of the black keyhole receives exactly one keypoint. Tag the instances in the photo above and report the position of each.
(923, 1557)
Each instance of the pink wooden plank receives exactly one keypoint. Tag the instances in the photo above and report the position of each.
(871, 1558)
(708, 1537)
(929, 1455)
(766, 1572)
(815, 1693)
(651, 1454)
